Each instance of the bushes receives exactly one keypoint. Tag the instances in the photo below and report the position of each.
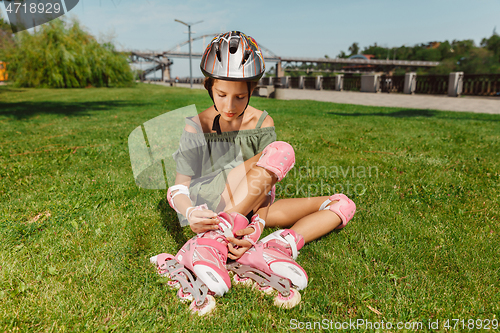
(5, 37)
(62, 55)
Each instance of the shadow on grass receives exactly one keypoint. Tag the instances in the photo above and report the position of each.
(23, 110)
(170, 221)
(408, 113)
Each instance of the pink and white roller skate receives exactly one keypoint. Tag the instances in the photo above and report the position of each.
(199, 268)
(270, 263)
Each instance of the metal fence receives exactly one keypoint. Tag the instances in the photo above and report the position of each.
(310, 82)
(264, 81)
(352, 83)
(432, 84)
(472, 84)
(328, 83)
(481, 84)
(294, 82)
(392, 83)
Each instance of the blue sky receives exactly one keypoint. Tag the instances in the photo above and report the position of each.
(289, 28)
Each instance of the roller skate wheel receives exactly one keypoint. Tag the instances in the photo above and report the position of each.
(164, 274)
(288, 302)
(268, 290)
(207, 306)
(247, 282)
(174, 284)
(184, 297)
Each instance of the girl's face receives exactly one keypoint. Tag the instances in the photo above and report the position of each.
(230, 97)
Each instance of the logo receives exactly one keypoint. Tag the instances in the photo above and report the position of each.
(26, 14)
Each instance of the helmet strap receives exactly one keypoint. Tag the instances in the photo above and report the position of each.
(216, 123)
(249, 85)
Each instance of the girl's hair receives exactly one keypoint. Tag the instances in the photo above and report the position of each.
(208, 83)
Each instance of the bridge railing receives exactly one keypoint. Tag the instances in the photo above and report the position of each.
(432, 84)
(481, 84)
(392, 83)
(468, 84)
(352, 83)
(310, 82)
(328, 83)
(295, 82)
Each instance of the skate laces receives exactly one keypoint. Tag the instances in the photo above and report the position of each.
(280, 246)
(230, 223)
(217, 236)
(286, 246)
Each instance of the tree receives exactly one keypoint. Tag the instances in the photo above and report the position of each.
(342, 55)
(5, 37)
(479, 61)
(377, 51)
(62, 55)
(354, 49)
(492, 44)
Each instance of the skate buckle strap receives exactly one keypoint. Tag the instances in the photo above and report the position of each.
(256, 225)
(213, 243)
(291, 240)
(225, 226)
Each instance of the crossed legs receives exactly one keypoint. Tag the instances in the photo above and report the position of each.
(302, 215)
(246, 189)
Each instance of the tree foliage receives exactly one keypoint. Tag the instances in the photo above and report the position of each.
(463, 56)
(5, 37)
(354, 49)
(63, 55)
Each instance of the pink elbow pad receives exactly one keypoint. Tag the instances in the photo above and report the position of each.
(278, 157)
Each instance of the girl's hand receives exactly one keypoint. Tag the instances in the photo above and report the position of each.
(202, 220)
(237, 247)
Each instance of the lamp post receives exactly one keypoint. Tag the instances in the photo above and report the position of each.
(189, 32)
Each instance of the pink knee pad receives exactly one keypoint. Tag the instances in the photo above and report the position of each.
(278, 157)
(344, 208)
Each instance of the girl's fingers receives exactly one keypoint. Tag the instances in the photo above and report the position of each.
(246, 231)
(236, 253)
(239, 242)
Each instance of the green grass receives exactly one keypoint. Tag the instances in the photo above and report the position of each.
(424, 244)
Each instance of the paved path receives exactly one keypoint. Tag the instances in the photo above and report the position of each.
(469, 104)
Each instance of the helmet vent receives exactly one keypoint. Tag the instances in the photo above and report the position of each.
(245, 56)
(217, 52)
(233, 56)
(233, 45)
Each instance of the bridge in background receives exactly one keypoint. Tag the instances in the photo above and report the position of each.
(162, 61)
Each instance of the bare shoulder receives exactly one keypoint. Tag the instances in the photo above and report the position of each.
(268, 122)
(255, 116)
(203, 119)
(189, 128)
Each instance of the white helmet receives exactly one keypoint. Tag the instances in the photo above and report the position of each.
(233, 56)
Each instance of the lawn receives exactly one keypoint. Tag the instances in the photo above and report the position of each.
(76, 232)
